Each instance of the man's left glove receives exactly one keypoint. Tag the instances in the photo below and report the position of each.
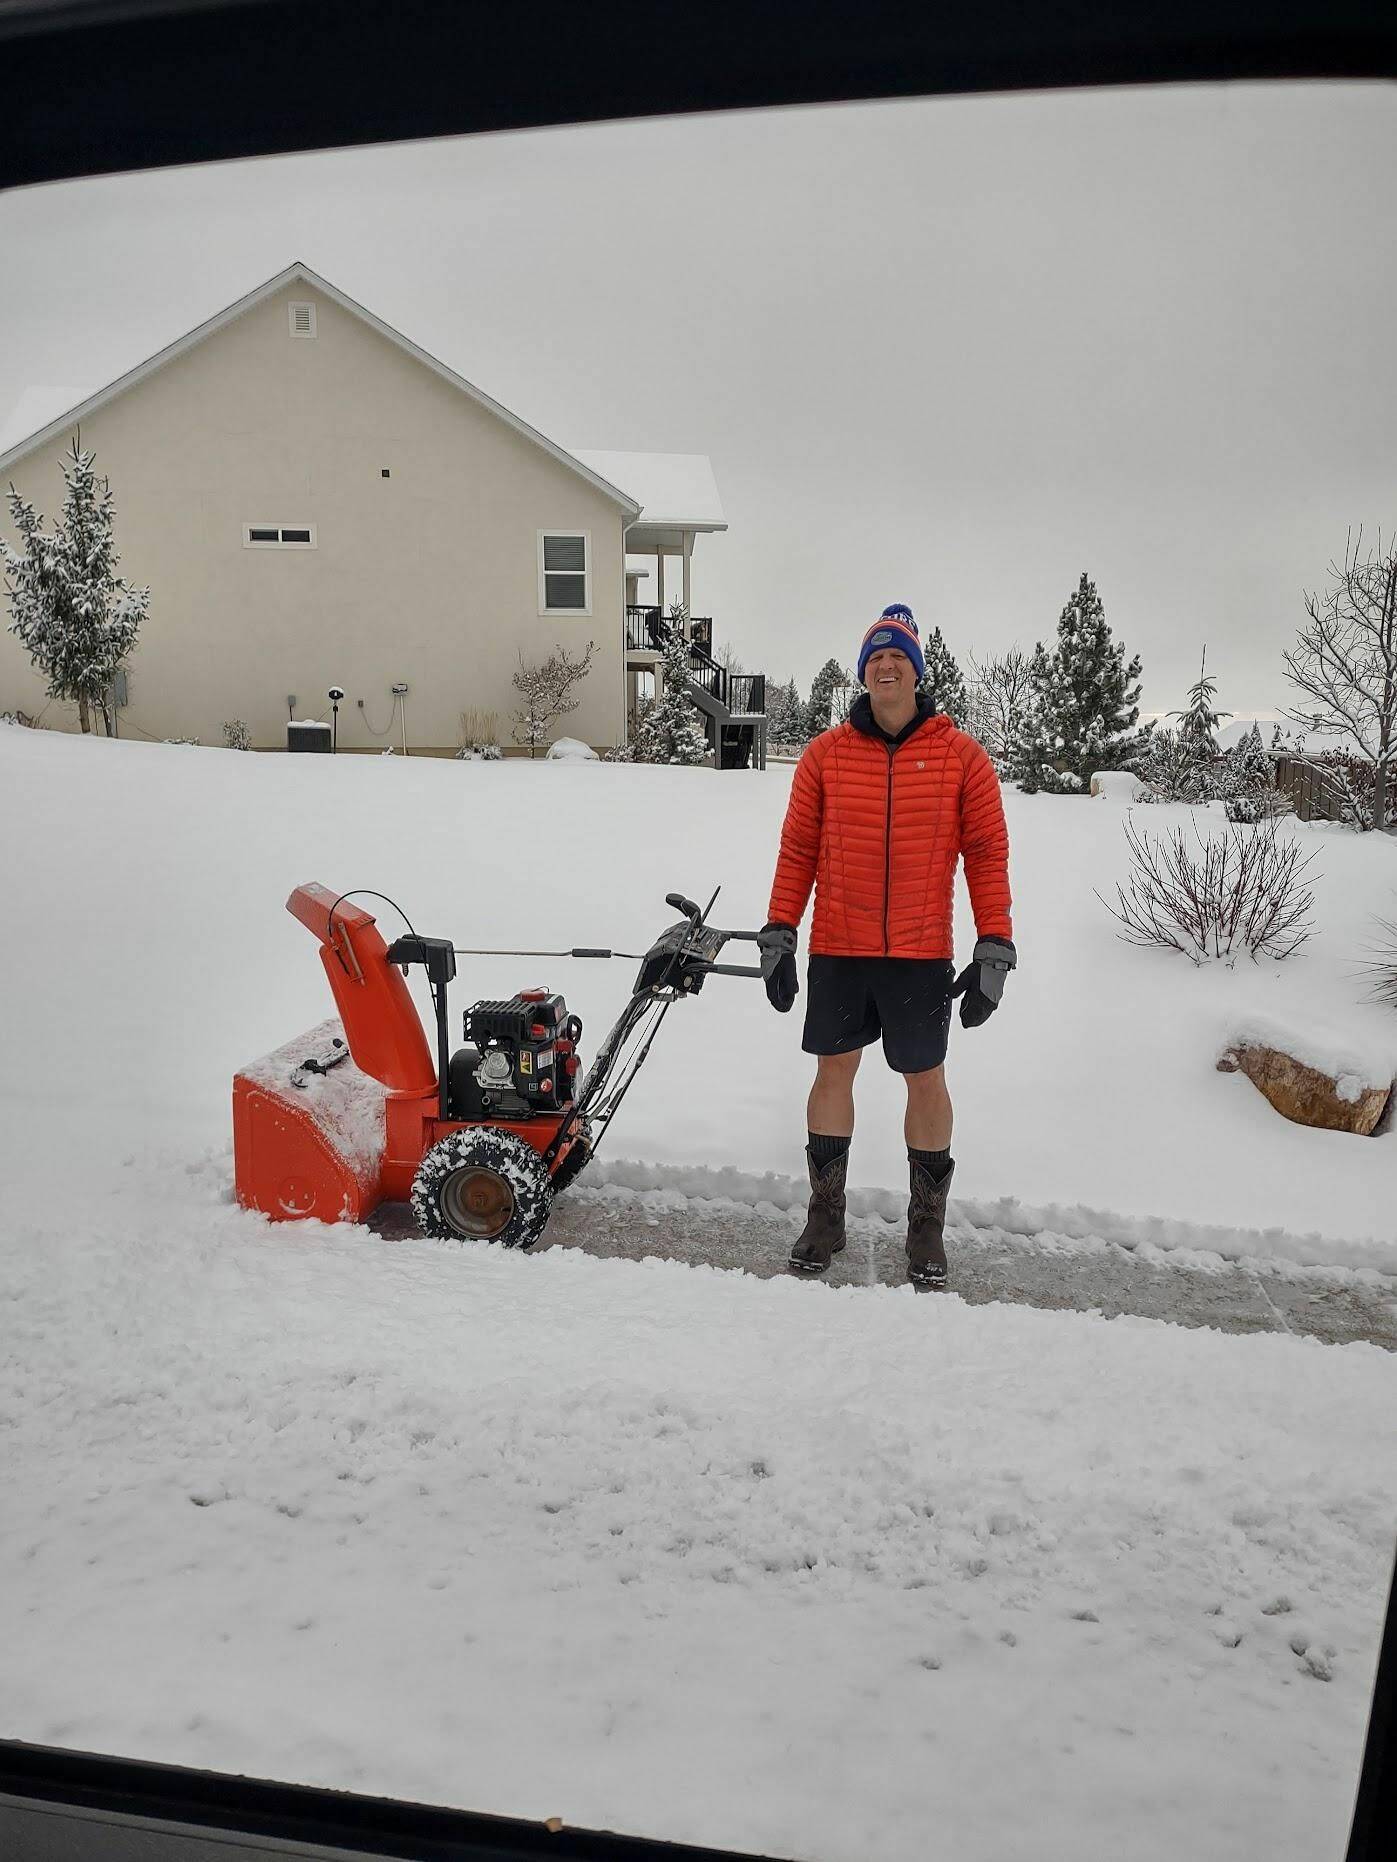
(982, 980)
(777, 944)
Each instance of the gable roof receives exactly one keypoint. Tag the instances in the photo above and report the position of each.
(302, 274)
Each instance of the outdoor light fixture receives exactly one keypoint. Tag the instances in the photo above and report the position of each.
(335, 694)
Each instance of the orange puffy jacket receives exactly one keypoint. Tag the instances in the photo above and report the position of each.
(877, 830)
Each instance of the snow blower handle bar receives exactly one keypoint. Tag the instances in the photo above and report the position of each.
(689, 952)
(774, 942)
(773, 946)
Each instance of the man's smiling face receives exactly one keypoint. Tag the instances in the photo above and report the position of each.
(889, 674)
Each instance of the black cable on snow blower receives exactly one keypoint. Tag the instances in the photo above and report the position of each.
(629, 956)
(367, 892)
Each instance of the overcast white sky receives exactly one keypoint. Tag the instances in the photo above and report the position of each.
(949, 352)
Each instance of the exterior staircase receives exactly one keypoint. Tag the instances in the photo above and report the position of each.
(733, 704)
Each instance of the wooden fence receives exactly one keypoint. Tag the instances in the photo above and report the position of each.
(1315, 794)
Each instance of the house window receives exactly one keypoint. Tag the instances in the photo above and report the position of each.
(302, 319)
(564, 575)
(278, 536)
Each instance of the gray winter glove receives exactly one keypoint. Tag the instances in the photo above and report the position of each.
(982, 980)
(777, 944)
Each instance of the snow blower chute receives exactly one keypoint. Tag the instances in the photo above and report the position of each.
(357, 1111)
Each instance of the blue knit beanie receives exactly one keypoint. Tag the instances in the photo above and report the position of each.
(893, 628)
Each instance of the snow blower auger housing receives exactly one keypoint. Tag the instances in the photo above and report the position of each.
(358, 1111)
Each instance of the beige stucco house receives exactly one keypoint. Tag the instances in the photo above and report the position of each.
(315, 503)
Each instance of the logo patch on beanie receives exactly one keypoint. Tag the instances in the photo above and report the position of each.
(881, 638)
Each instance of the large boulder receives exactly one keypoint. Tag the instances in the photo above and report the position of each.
(1306, 1094)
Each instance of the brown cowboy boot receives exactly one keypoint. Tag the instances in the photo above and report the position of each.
(926, 1228)
(823, 1234)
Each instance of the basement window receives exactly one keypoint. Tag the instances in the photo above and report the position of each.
(278, 536)
(564, 574)
(302, 319)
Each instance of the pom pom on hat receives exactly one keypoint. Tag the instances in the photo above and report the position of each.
(894, 627)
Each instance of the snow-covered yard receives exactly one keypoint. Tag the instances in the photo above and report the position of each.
(840, 1574)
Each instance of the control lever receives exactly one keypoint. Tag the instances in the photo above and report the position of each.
(681, 904)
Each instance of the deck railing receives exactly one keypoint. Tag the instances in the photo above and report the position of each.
(747, 694)
(647, 629)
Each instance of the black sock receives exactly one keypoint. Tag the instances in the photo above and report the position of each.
(937, 1162)
(824, 1150)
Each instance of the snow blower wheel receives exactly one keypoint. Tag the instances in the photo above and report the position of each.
(483, 1185)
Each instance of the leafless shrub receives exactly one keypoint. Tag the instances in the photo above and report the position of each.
(1242, 890)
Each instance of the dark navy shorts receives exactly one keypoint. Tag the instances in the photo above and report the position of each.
(850, 1001)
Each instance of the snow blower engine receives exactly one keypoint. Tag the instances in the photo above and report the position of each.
(358, 1111)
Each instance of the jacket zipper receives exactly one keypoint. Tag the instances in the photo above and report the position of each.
(888, 850)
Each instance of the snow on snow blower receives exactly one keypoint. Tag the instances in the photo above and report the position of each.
(357, 1112)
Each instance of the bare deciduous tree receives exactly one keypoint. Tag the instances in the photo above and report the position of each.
(1244, 890)
(1344, 663)
(546, 693)
(999, 693)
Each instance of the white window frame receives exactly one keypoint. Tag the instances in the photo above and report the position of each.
(291, 309)
(586, 608)
(265, 543)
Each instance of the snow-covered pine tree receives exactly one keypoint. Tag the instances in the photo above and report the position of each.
(1029, 749)
(785, 716)
(1250, 767)
(75, 616)
(1198, 723)
(1091, 703)
(672, 727)
(1249, 784)
(942, 681)
(1168, 766)
(817, 711)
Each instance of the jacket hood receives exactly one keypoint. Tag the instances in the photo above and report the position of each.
(861, 716)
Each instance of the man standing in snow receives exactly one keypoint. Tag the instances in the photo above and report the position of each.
(882, 809)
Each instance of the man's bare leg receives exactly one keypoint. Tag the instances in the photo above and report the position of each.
(831, 1107)
(927, 1126)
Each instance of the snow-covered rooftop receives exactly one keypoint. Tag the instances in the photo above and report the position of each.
(674, 490)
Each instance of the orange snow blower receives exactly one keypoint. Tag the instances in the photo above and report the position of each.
(357, 1112)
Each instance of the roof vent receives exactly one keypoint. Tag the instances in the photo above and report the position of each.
(302, 319)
